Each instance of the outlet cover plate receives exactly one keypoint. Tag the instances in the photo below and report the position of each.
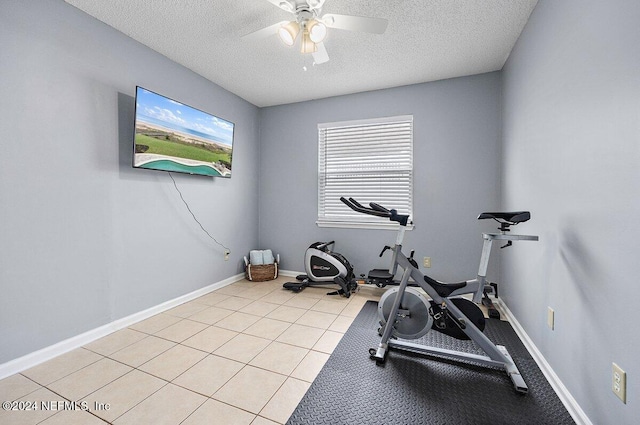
(619, 383)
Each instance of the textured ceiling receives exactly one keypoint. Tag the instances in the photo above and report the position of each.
(426, 40)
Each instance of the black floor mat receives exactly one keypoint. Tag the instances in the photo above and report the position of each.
(414, 389)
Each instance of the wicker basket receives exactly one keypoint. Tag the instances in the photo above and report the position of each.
(261, 273)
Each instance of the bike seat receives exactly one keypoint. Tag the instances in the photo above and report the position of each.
(511, 217)
(443, 289)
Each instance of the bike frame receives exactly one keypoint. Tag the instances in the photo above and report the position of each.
(496, 355)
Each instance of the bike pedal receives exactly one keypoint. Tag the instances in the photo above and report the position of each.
(494, 314)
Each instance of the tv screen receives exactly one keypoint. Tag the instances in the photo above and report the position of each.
(171, 136)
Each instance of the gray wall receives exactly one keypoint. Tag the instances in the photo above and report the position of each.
(85, 239)
(571, 117)
(456, 164)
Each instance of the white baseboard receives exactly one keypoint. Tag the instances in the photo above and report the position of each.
(33, 359)
(289, 273)
(563, 393)
(47, 353)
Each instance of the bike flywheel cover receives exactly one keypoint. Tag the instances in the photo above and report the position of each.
(413, 320)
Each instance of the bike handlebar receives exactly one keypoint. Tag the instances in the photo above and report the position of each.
(354, 205)
(379, 207)
(325, 244)
(376, 210)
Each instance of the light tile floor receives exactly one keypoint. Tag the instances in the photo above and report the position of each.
(243, 354)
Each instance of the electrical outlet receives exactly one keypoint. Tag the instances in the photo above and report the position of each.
(550, 318)
(226, 254)
(426, 262)
(619, 383)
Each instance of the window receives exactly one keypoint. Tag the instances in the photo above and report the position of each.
(369, 160)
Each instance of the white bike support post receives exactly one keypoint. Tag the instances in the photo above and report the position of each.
(486, 254)
(397, 248)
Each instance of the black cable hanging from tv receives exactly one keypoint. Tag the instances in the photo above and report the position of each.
(194, 217)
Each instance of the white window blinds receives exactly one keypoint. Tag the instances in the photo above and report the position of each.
(369, 160)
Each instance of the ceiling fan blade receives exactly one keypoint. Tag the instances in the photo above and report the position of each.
(320, 55)
(355, 23)
(315, 4)
(286, 5)
(264, 32)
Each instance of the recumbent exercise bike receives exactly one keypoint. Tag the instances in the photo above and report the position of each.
(324, 266)
(405, 312)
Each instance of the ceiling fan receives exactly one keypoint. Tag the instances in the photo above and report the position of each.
(313, 27)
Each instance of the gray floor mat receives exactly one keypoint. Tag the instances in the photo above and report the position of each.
(414, 389)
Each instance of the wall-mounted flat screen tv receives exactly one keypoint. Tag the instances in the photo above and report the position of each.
(171, 136)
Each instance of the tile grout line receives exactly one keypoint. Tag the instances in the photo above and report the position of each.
(313, 302)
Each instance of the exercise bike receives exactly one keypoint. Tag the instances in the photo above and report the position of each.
(323, 266)
(407, 313)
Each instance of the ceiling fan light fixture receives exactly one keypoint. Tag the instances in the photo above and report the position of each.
(317, 31)
(289, 32)
(306, 44)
